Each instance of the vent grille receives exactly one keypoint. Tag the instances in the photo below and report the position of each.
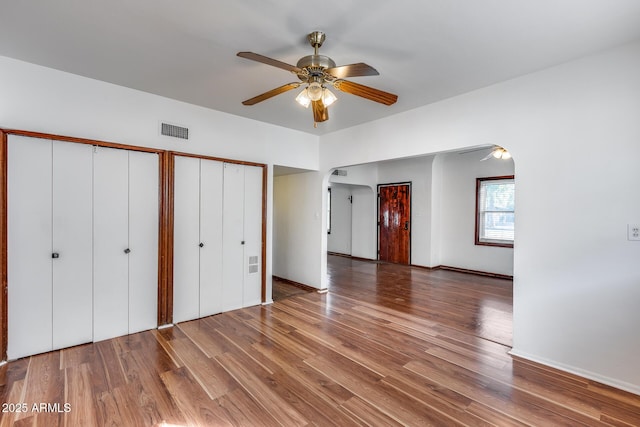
(339, 172)
(174, 131)
(253, 264)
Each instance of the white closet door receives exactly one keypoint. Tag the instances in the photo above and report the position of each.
(72, 241)
(252, 236)
(29, 246)
(211, 183)
(143, 241)
(233, 237)
(186, 239)
(110, 259)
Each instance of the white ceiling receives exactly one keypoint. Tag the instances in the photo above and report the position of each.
(425, 50)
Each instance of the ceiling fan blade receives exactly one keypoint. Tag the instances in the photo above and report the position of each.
(352, 70)
(269, 61)
(367, 92)
(320, 112)
(271, 93)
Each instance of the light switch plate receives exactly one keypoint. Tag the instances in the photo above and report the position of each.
(633, 231)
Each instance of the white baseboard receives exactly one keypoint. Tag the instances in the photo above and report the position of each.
(622, 385)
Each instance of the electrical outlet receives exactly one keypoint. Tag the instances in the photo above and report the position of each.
(633, 231)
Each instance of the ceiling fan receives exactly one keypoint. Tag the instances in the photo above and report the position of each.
(317, 72)
(497, 152)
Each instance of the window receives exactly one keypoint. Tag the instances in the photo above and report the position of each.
(329, 211)
(495, 211)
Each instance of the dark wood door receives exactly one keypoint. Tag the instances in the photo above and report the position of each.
(394, 223)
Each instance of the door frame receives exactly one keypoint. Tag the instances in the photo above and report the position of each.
(392, 184)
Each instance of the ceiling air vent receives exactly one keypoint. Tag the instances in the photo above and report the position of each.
(339, 172)
(174, 131)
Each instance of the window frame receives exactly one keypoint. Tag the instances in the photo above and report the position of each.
(478, 241)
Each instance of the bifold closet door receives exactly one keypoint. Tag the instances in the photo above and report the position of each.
(242, 236)
(211, 175)
(233, 237)
(49, 245)
(143, 240)
(125, 242)
(252, 289)
(186, 239)
(29, 262)
(111, 241)
(73, 243)
(197, 274)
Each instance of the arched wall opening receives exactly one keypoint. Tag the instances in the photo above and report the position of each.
(442, 213)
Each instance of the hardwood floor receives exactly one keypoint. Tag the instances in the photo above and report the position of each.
(282, 289)
(388, 345)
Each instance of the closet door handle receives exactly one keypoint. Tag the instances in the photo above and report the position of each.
(126, 251)
(201, 245)
(242, 243)
(55, 255)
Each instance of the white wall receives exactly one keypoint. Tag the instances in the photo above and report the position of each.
(457, 206)
(418, 172)
(339, 241)
(353, 229)
(299, 228)
(362, 181)
(364, 226)
(575, 136)
(40, 99)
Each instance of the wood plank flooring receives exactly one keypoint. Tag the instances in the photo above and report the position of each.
(281, 289)
(388, 345)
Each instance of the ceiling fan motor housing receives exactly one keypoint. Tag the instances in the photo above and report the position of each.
(316, 62)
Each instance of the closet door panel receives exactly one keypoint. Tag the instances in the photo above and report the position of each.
(252, 236)
(72, 241)
(211, 179)
(29, 246)
(233, 237)
(111, 264)
(186, 276)
(143, 240)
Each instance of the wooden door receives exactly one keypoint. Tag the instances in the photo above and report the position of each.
(394, 223)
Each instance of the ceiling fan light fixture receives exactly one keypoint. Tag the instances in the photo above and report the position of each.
(328, 97)
(303, 99)
(314, 91)
(501, 153)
